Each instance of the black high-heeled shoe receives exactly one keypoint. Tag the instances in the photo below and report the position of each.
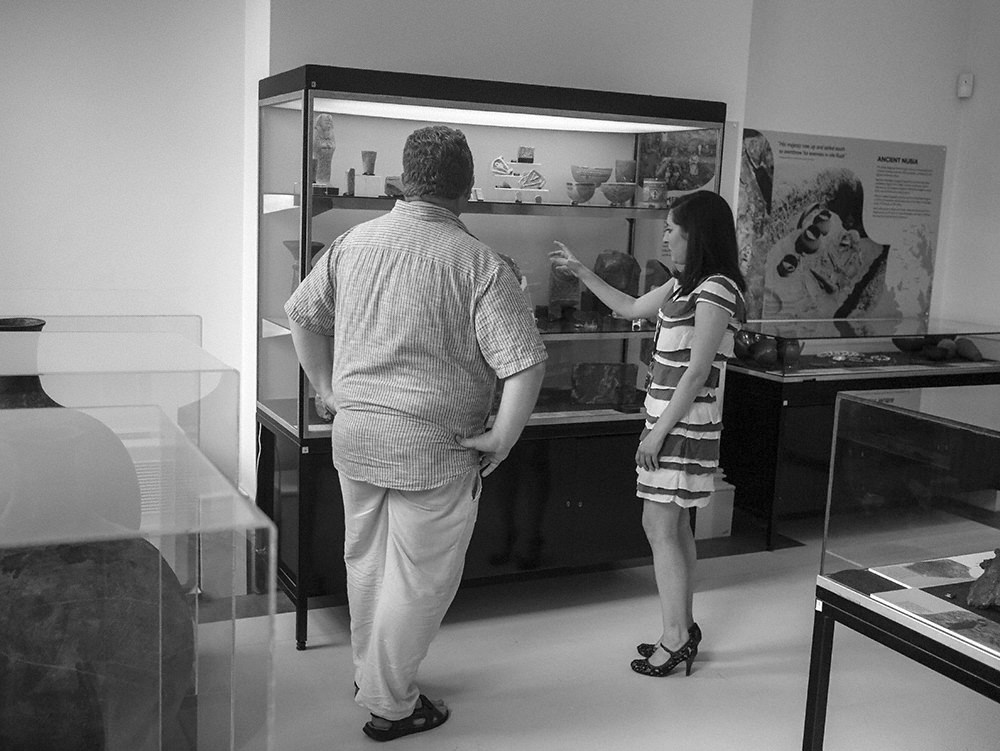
(685, 654)
(646, 650)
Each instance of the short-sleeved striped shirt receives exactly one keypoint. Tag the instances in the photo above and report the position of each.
(690, 452)
(424, 319)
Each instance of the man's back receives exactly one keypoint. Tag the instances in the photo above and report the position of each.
(423, 316)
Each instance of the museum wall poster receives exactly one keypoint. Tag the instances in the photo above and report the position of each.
(837, 227)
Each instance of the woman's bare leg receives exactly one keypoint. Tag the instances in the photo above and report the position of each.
(668, 530)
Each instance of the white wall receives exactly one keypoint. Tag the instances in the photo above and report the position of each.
(122, 160)
(122, 164)
(969, 264)
(887, 70)
(665, 47)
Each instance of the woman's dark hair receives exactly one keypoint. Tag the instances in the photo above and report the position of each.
(707, 220)
(437, 161)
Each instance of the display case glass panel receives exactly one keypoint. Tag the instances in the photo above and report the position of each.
(115, 368)
(914, 510)
(835, 348)
(345, 139)
(123, 555)
(87, 310)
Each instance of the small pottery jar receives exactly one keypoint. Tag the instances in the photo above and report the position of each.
(654, 194)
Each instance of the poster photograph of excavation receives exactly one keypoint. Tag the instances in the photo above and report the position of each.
(837, 227)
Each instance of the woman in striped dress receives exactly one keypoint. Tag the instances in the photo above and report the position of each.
(697, 314)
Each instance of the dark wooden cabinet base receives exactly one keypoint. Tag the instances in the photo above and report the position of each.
(564, 499)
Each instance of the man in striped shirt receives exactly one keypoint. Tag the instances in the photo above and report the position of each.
(403, 328)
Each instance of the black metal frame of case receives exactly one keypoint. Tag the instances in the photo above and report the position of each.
(831, 609)
(489, 93)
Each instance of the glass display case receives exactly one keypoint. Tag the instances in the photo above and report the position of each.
(124, 554)
(595, 170)
(830, 349)
(911, 545)
(87, 310)
(914, 508)
(105, 362)
(783, 381)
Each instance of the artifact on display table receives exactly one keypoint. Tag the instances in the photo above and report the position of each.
(985, 591)
(942, 612)
(935, 572)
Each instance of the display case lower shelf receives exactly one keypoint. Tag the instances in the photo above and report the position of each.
(608, 329)
(935, 612)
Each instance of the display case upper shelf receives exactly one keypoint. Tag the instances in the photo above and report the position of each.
(272, 202)
(553, 332)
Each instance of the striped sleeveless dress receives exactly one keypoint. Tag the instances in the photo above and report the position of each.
(690, 452)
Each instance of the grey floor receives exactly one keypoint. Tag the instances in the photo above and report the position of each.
(544, 665)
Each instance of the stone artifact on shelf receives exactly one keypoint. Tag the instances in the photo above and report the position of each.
(985, 591)
(323, 147)
(605, 384)
(657, 274)
(513, 266)
(564, 294)
(618, 269)
(394, 186)
(368, 162)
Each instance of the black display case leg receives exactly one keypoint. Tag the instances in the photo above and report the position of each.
(301, 621)
(819, 680)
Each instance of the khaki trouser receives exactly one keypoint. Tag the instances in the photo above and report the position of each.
(404, 552)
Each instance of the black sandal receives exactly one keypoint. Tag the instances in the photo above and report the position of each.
(426, 716)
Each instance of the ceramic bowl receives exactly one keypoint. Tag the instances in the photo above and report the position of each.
(595, 175)
(580, 192)
(620, 194)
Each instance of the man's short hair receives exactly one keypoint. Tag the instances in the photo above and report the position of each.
(437, 161)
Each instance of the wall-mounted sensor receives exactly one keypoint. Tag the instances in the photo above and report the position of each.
(964, 86)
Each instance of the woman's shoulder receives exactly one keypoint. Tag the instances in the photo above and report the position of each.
(718, 279)
(720, 290)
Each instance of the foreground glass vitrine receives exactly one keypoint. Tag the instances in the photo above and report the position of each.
(107, 362)
(125, 558)
(137, 311)
(914, 508)
(911, 548)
